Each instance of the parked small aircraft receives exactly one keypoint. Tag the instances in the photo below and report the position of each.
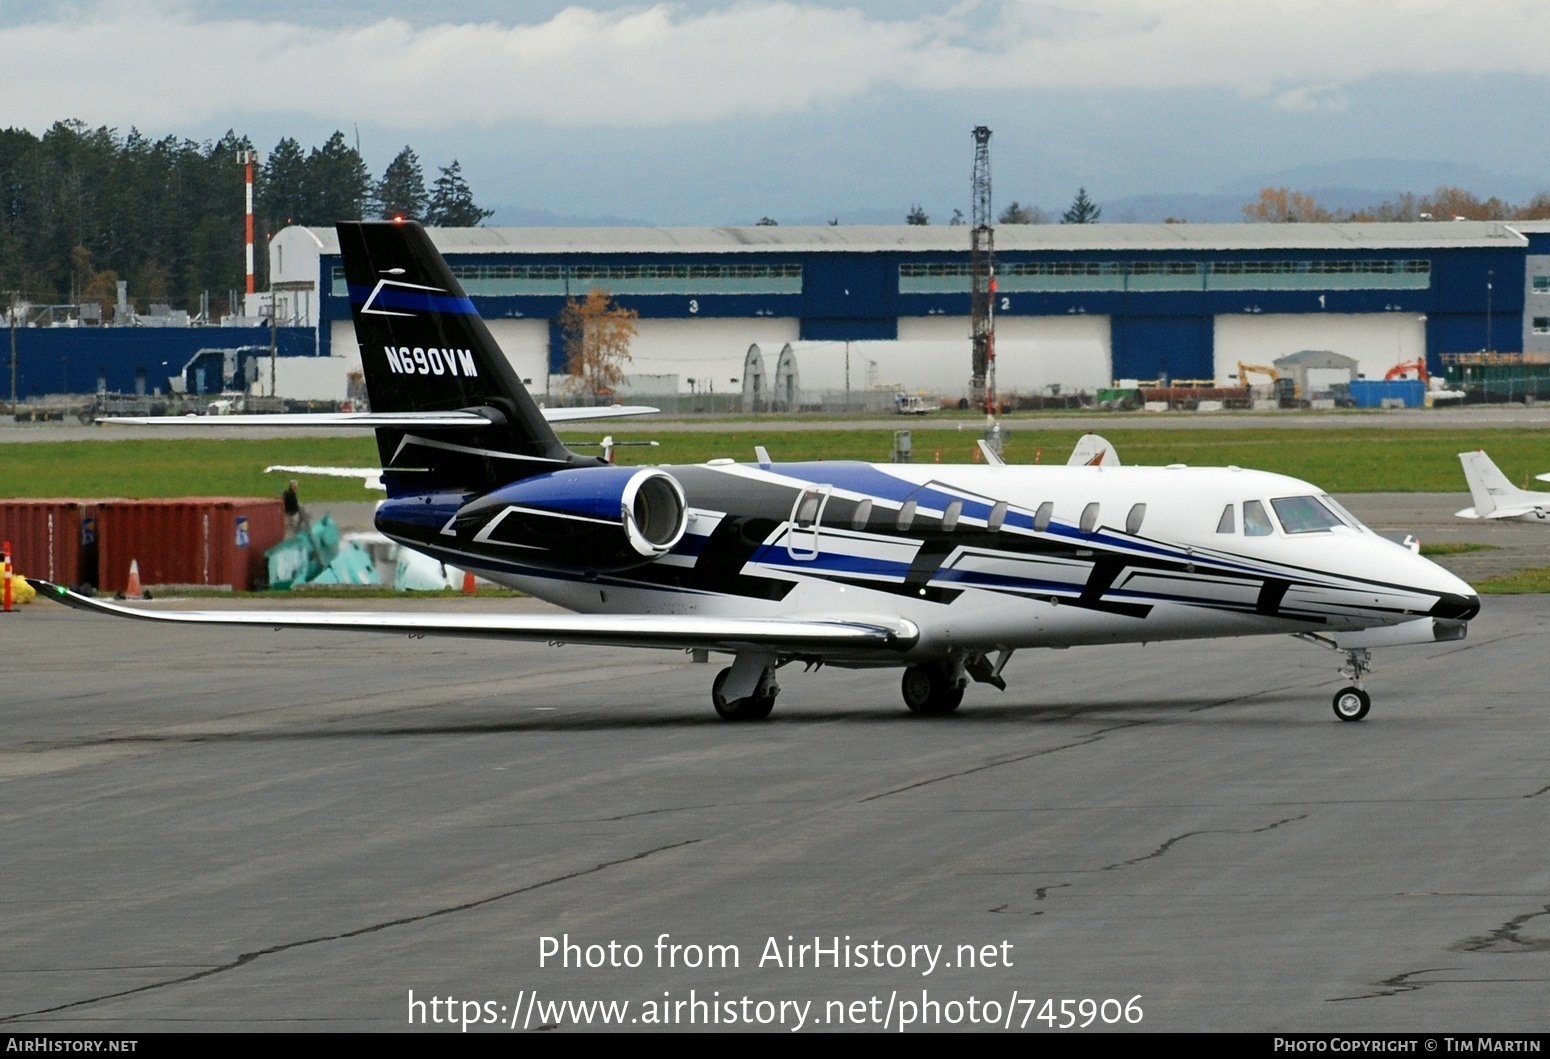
(943, 571)
(1497, 498)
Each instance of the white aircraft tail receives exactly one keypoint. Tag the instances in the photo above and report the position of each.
(1489, 487)
(1093, 451)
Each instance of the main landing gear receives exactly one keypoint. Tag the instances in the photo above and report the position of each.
(1352, 703)
(937, 687)
(933, 687)
(753, 707)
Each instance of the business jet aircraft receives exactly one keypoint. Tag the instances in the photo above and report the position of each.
(941, 571)
(1497, 498)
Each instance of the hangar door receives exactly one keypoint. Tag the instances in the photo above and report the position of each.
(711, 351)
(1032, 353)
(1376, 341)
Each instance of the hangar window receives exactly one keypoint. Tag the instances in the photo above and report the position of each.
(1542, 325)
(1256, 523)
(1542, 284)
(1041, 517)
(686, 278)
(1228, 523)
(1334, 274)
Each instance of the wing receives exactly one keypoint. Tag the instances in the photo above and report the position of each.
(371, 420)
(613, 411)
(783, 635)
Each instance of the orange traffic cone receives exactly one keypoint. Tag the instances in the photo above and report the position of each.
(133, 590)
(469, 588)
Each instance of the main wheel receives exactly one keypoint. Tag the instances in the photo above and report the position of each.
(1352, 703)
(753, 708)
(926, 689)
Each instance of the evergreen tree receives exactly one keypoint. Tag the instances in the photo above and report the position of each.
(335, 183)
(1017, 213)
(916, 215)
(401, 192)
(279, 190)
(452, 203)
(1082, 210)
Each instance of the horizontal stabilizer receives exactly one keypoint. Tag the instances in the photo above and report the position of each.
(372, 420)
(369, 477)
(680, 631)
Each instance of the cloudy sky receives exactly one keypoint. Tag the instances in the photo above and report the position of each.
(722, 111)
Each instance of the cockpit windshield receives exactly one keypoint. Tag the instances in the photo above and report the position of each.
(1305, 514)
(1345, 516)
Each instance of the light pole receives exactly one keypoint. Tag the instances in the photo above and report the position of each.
(1490, 274)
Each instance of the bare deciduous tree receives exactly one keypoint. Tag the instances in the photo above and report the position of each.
(597, 336)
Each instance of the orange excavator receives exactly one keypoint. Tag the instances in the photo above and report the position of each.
(1404, 367)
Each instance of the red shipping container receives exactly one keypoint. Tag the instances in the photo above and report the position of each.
(50, 539)
(189, 541)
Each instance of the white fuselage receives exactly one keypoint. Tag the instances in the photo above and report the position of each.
(972, 581)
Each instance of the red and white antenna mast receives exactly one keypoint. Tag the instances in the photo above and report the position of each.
(247, 158)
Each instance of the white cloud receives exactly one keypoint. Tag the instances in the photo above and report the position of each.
(153, 64)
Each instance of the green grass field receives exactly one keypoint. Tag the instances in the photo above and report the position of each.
(1340, 460)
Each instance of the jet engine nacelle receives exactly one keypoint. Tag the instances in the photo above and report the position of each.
(585, 518)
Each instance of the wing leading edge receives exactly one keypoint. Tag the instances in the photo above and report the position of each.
(781, 635)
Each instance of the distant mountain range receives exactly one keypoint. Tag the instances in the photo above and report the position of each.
(1347, 185)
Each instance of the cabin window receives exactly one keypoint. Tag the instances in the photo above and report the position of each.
(950, 516)
(1256, 523)
(1089, 521)
(1135, 518)
(1228, 523)
(1041, 517)
(1304, 514)
(807, 510)
(997, 516)
(906, 516)
(863, 512)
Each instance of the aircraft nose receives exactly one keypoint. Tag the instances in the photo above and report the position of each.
(1457, 606)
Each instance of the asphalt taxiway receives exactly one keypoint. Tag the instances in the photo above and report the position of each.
(204, 828)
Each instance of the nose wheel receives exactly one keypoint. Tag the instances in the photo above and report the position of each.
(1352, 703)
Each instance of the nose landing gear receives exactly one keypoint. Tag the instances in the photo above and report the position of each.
(1352, 703)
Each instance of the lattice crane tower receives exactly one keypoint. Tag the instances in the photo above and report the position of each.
(982, 278)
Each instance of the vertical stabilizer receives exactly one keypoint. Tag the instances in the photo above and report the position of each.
(1093, 450)
(425, 349)
(1488, 486)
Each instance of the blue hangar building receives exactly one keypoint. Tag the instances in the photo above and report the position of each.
(1077, 306)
